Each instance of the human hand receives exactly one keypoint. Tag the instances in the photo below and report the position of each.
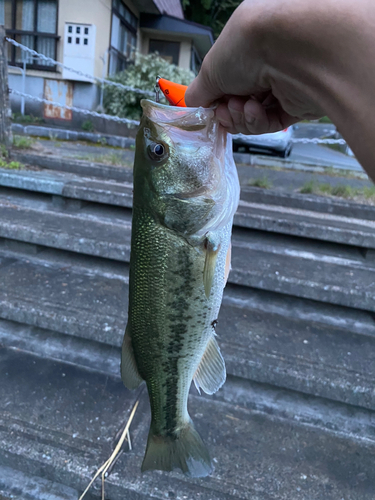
(252, 71)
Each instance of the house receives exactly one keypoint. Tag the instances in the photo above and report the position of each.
(96, 37)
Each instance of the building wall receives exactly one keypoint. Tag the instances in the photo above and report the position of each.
(97, 12)
(34, 86)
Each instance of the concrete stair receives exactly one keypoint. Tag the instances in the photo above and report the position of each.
(294, 420)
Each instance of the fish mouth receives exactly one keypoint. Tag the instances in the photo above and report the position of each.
(202, 191)
(189, 119)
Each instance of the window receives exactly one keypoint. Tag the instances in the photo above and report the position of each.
(32, 23)
(195, 61)
(167, 50)
(123, 37)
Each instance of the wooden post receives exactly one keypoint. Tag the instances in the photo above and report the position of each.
(6, 138)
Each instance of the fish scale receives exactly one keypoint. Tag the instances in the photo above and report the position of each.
(182, 219)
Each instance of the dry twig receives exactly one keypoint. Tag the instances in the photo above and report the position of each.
(103, 470)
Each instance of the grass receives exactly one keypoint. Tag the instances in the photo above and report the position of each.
(22, 142)
(343, 191)
(12, 165)
(111, 159)
(4, 160)
(369, 192)
(340, 190)
(261, 182)
(19, 118)
(308, 188)
(107, 159)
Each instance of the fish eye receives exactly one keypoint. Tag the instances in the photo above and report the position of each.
(157, 151)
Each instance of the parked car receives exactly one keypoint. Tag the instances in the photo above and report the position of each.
(276, 144)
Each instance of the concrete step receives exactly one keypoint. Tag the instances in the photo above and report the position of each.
(310, 202)
(20, 486)
(304, 346)
(76, 182)
(310, 216)
(121, 173)
(327, 272)
(266, 444)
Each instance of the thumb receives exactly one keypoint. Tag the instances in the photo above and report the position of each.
(202, 91)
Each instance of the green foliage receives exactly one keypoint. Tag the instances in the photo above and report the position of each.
(22, 142)
(369, 192)
(325, 119)
(19, 118)
(213, 13)
(13, 165)
(107, 159)
(308, 188)
(4, 153)
(110, 159)
(261, 182)
(141, 75)
(325, 188)
(343, 191)
(340, 190)
(87, 126)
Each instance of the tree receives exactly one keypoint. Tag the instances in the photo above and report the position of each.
(213, 13)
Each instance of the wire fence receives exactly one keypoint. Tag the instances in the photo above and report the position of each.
(78, 72)
(104, 81)
(73, 108)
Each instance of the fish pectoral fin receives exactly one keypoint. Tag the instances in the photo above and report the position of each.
(211, 373)
(228, 266)
(129, 371)
(212, 250)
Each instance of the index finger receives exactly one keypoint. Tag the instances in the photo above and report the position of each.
(201, 91)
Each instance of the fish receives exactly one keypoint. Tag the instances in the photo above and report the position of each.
(186, 191)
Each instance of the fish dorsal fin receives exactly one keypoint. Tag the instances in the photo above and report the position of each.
(211, 373)
(212, 250)
(129, 371)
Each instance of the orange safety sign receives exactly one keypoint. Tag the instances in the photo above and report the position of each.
(174, 92)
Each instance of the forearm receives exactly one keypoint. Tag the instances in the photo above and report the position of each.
(327, 50)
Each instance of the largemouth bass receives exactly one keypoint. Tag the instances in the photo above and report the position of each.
(186, 192)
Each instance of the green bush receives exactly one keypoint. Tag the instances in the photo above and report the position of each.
(13, 165)
(87, 126)
(22, 142)
(141, 75)
(261, 182)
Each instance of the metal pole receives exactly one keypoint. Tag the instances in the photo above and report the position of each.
(5, 112)
(104, 74)
(23, 84)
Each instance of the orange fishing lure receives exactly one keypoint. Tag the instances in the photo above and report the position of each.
(174, 92)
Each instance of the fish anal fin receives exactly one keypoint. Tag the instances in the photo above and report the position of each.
(228, 263)
(129, 371)
(211, 373)
(209, 265)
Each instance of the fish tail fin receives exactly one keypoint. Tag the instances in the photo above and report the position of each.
(185, 451)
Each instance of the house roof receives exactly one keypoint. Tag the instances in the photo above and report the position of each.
(170, 7)
(201, 35)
